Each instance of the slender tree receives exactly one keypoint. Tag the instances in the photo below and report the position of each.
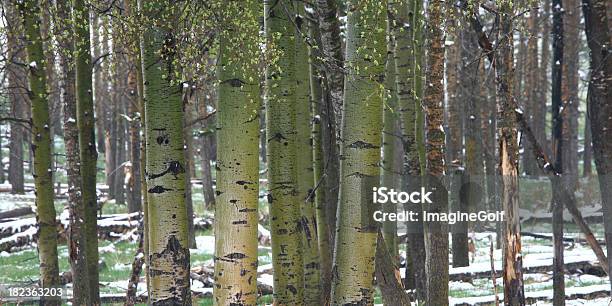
(168, 251)
(320, 176)
(18, 97)
(285, 205)
(41, 147)
(436, 233)
(87, 144)
(305, 171)
(237, 156)
(356, 234)
(76, 233)
(597, 27)
(508, 165)
(558, 144)
(389, 172)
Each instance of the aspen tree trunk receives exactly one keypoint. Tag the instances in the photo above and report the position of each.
(87, 145)
(76, 231)
(404, 62)
(285, 214)
(305, 171)
(508, 150)
(237, 156)
(557, 146)
(333, 62)
(356, 235)
(600, 110)
(389, 172)
(436, 233)
(18, 97)
(168, 251)
(188, 148)
(320, 177)
(41, 148)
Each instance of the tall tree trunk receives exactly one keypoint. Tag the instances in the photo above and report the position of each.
(569, 91)
(134, 183)
(558, 150)
(87, 145)
(539, 108)
(305, 171)
(455, 111)
(188, 136)
(331, 119)
(285, 214)
(76, 231)
(508, 166)
(587, 158)
(237, 169)
(530, 92)
(389, 171)
(599, 107)
(18, 97)
(356, 235)
(167, 214)
(41, 148)
(472, 94)
(205, 156)
(414, 147)
(320, 176)
(436, 232)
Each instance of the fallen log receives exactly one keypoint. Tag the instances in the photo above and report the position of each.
(579, 267)
(16, 213)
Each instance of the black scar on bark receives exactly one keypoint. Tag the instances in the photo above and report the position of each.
(159, 189)
(362, 145)
(174, 168)
(180, 256)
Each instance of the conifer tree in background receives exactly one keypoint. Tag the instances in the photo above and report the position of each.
(237, 156)
(165, 168)
(356, 235)
(285, 205)
(41, 147)
(436, 233)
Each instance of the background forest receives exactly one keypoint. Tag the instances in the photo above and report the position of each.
(178, 152)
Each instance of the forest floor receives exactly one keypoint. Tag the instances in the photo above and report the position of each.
(585, 282)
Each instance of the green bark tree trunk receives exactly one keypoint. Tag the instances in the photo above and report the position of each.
(356, 232)
(165, 170)
(76, 232)
(237, 189)
(389, 171)
(305, 171)
(87, 145)
(41, 148)
(320, 176)
(285, 205)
